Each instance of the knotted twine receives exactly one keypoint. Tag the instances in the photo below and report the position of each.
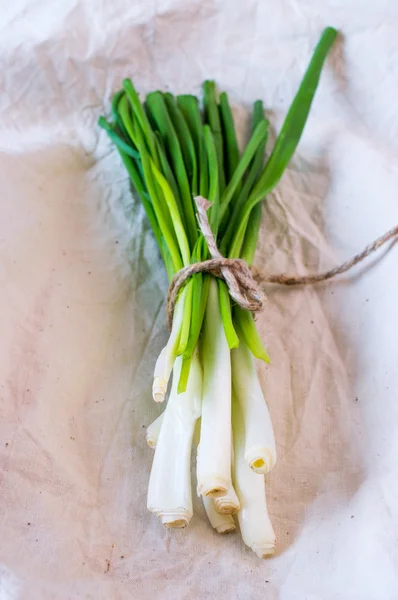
(244, 282)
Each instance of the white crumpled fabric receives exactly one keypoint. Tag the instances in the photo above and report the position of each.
(82, 303)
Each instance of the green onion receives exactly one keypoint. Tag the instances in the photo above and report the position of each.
(173, 150)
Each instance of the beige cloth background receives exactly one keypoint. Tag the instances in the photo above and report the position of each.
(82, 303)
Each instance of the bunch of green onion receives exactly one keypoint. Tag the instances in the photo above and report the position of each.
(175, 149)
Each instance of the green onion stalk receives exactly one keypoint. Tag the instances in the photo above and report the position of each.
(175, 148)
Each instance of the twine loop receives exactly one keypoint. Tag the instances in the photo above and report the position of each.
(236, 273)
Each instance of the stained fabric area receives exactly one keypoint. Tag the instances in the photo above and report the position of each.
(82, 303)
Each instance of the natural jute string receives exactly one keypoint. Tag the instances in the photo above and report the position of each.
(243, 281)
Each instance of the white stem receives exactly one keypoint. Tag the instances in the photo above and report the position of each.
(153, 430)
(169, 491)
(221, 523)
(260, 450)
(159, 386)
(165, 361)
(214, 451)
(255, 525)
(228, 504)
